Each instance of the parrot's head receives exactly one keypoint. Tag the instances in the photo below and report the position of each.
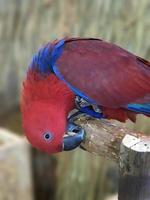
(44, 127)
(45, 106)
(47, 129)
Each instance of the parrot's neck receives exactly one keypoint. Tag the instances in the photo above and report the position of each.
(48, 88)
(44, 60)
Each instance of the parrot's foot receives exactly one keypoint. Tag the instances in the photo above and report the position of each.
(81, 103)
(73, 138)
(89, 109)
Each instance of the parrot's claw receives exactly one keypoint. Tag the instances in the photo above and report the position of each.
(96, 109)
(73, 115)
(81, 103)
(73, 138)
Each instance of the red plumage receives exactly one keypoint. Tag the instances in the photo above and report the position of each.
(40, 87)
(45, 104)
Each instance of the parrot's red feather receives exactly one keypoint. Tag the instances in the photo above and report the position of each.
(45, 104)
(119, 114)
(41, 87)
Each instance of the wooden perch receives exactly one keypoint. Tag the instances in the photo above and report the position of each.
(129, 149)
(104, 137)
(134, 165)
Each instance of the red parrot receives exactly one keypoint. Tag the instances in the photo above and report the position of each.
(99, 78)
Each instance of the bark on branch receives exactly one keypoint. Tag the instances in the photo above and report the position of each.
(104, 137)
(129, 149)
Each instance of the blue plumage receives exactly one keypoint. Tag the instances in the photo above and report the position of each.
(41, 60)
(46, 57)
(57, 51)
(139, 108)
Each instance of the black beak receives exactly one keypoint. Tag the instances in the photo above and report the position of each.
(73, 138)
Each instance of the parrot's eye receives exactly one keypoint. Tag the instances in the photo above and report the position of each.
(48, 136)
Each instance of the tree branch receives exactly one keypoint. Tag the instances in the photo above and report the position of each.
(104, 137)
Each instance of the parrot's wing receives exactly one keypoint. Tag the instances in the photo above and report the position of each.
(104, 73)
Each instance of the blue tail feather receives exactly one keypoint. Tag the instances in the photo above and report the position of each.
(139, 108)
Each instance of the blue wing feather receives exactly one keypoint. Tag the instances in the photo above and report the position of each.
(139, 108)
(41, 60)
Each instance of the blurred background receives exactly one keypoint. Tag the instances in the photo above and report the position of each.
(24, 26)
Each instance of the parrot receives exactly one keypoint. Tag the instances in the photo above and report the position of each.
(96, 77)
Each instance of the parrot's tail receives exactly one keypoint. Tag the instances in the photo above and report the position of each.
(140, 108)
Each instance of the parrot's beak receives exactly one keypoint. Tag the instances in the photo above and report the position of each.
(73, 138)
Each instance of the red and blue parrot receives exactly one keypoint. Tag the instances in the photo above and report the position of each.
(98, 78)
